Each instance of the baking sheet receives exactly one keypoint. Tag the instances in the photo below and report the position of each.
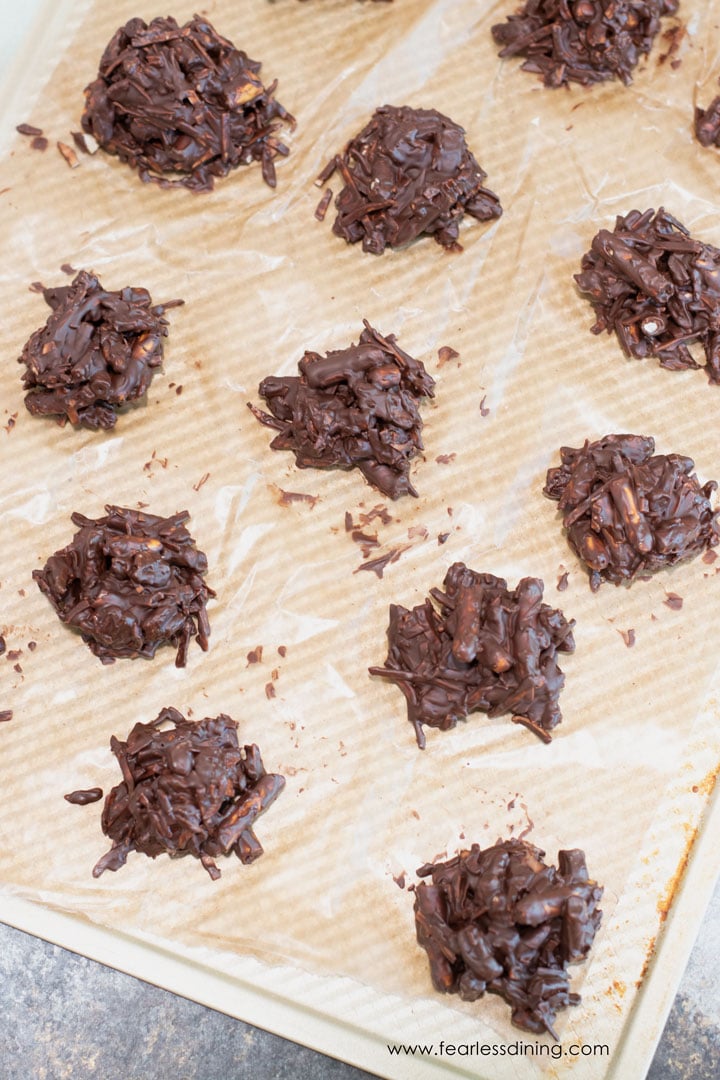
(317, 937)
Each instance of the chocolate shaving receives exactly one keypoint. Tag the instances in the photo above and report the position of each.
(501, 921)
(322, 207)
(673, 601)
(130, 582)
(352, 407)
(482, 647)
(186, 789)
(585, 42)
(408, 173)
(657, 288)
(84, 797)
(97, 351)
(628, 637)
(182, 105)
(628, 511)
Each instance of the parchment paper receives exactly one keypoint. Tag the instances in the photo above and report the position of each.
(319, 919)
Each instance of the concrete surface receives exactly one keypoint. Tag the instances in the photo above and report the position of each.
(67, 1017)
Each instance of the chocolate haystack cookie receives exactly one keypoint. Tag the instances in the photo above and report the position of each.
(352, 407)
(130, 582)
(587, 41)
(501, 921)
(182, 105)
(97, 351)
(408, 173)
(188, 789)
(629, 511)
(481, 646)
(657, 288)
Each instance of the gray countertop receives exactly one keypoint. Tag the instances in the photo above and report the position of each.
(65, 1016)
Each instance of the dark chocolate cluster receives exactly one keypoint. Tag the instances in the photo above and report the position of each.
(480, 646)
(657, 288)
(182, 105)
(586, 41)
(97, 351)
(501, 921)
(352, 407)
(629, 511)
(188, 789)
(408, 173)
(130, 582)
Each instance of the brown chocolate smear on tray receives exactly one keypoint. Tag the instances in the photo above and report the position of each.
(130, 582)
(187, 789)
(408, 173)
(97, 351)
(628, 511)
(352, 407)
(657, 288)
(587, 41)
(502, 921)
(479, 646)
(182, 105)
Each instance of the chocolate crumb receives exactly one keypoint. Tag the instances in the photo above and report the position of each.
(5, 715)
(69, 154)
(79, 139)
(14, 654)
(709, 556)
(269, 690)
(255, 655)
(66, 268)
(628, 637)
(484, 410)
(203, 480)
(29, 129)
(445, 354)
(562, 582)
(187, 789)
(673, 601)
(2, 645)
(39, 143)
(287, 498)
(32, 645)
(179, 389)
(399, 880)
(445, 459)
(282, 650)
(322, 207)
(442, 537)
(502, 920)
(84, 797)
(480, 646)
